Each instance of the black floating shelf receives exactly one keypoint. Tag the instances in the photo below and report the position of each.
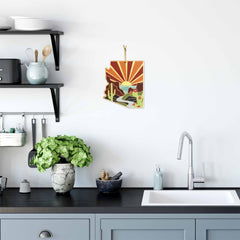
(55, 39)
(26, 85)
(55, 93)
(40, 32)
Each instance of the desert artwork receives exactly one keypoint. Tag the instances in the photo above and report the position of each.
(125, 83)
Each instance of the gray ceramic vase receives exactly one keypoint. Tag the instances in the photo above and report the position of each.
(63, 177)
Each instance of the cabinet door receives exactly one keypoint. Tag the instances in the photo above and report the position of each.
(147, 229)
(60, 229)
(218, 229)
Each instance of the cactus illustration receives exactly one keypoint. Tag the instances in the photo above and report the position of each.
(139, 98)
(112, 93)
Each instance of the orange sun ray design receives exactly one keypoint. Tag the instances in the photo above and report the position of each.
(129, 71)
(136, 68)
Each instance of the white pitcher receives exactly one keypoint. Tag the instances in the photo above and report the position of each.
(37, 73)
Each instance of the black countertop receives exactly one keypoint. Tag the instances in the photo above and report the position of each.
(89, 200)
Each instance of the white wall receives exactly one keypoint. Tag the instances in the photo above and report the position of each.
(191, 51)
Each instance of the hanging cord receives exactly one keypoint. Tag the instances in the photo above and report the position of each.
(125, 52)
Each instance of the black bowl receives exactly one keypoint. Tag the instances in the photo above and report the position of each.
(109, 186)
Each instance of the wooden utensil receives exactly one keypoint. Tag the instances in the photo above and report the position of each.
(36, 55)
(46, 52)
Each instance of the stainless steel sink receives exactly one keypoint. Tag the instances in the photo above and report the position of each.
(190, 198)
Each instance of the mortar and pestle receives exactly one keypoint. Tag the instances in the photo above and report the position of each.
(106, 184)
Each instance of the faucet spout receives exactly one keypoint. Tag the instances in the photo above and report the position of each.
(181, 140)
(191, 178)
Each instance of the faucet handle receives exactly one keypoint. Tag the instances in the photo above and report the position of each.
(198, 180)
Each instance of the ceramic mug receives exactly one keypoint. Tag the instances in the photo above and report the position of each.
(37, 73)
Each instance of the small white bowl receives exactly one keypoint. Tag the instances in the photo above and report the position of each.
(31, 24)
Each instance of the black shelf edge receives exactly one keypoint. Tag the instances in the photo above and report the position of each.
(50, 85)
(40, 32)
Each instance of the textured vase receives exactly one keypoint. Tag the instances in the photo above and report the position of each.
(63, 177)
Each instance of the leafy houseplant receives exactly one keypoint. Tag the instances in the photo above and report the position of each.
(64, 152)
(61, 149)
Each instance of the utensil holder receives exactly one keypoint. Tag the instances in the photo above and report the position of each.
(12, 139)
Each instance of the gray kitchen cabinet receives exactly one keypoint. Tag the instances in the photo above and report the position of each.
(55, 227)
(146, 228)
(120, 226)
(218, 229)
(168, 226)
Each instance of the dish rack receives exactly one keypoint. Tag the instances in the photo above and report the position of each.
(12, 139)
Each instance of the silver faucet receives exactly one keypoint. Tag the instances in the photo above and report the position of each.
(191, 178)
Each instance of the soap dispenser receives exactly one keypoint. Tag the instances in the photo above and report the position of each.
(158, 179)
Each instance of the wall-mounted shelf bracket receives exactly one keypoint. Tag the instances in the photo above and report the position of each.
(55, 39)
(55, 92)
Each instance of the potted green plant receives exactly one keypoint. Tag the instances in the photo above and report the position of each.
(62, 153)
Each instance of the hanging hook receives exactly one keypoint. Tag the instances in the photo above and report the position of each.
(43, 120)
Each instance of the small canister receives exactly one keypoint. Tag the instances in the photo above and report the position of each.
(25, 186)
(158, 179)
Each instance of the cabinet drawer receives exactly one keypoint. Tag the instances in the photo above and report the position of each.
(60, 229)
